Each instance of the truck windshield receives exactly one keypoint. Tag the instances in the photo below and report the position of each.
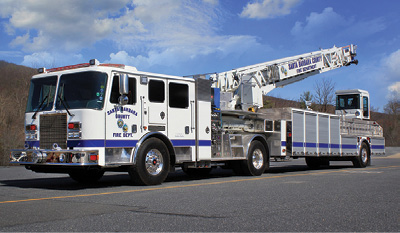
(81, 90)
(41, 94)
(347, 102)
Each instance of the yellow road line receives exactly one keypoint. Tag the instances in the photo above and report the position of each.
(186, 186)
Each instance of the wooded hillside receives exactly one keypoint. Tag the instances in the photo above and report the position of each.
(14, 86)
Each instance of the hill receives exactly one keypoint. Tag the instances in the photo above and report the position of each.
(14, 86)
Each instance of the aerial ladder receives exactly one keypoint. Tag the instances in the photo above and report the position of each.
(243, 88)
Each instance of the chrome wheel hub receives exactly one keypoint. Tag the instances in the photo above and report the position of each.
(364, 155)
(154, 162)
(257, 158)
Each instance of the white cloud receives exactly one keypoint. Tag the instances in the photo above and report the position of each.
(394, 90)
(217, 47)
(11, 54)
(212, 2)
(392, 65)
(20, 40)
(36, 60)
(327, 21)
(53, 25)
(330, 24)
(51, 60)
(176, 34)
(141, 33)
(268, 8)
(363, 28)
(391, 73)
(69, 26)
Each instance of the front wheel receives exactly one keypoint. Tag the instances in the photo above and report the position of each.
(257, 160)
(152, 163)
(364, 157)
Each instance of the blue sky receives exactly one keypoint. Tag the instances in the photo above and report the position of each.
(202, 36)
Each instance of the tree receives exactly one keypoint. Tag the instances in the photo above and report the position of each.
(324, 94)
(14, 83)
(393, 107)
(392, 131)
(304, 98)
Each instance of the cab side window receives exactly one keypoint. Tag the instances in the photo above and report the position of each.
(115, 91)
(156, 91)
(365, 106)
(178, 95)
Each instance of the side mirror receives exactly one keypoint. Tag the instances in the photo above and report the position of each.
(123, 100)
(123, 89)
(123, 84)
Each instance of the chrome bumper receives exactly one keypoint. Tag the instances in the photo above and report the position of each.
(55, 157)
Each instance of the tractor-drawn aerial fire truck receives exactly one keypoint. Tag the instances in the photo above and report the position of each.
(91, 118)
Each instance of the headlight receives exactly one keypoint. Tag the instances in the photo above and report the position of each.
(74, 130)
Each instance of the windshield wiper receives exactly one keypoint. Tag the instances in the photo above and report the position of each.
(64, 104)
(40, 106)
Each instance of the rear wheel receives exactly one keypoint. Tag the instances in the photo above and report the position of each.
(86, 176)
(152, 163)
(313, 162)
(257, 160)
(364, 157)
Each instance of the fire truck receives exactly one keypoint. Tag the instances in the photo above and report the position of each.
(90, 118)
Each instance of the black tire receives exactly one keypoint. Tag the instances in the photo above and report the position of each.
(257, 160)
(313, 162)
(152, 163)
(86, 176)
(197, 172)
(364, 157)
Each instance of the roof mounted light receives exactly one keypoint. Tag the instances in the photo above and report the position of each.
(68, 67)
(94, 62)
(42, 70)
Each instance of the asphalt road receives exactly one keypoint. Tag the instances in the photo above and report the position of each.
(289, 197)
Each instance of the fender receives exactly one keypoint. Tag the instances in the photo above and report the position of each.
(160, 136)
(250, 138)
(361, 140)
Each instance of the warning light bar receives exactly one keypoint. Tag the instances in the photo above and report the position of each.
(68, 67)
(92, 62)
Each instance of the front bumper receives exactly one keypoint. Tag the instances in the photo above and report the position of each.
(54, 157)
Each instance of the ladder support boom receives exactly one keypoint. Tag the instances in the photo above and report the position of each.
(259, 79)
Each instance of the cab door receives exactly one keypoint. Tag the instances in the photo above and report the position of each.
(157, 105)
(181, 110)
(181, 119)
(122, 122)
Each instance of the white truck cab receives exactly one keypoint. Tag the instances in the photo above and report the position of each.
(353, 104)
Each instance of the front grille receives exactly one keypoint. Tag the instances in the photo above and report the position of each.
(53, 129)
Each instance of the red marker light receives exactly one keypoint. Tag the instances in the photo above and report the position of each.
(74, 125)
(94, 157)
(32, 127)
